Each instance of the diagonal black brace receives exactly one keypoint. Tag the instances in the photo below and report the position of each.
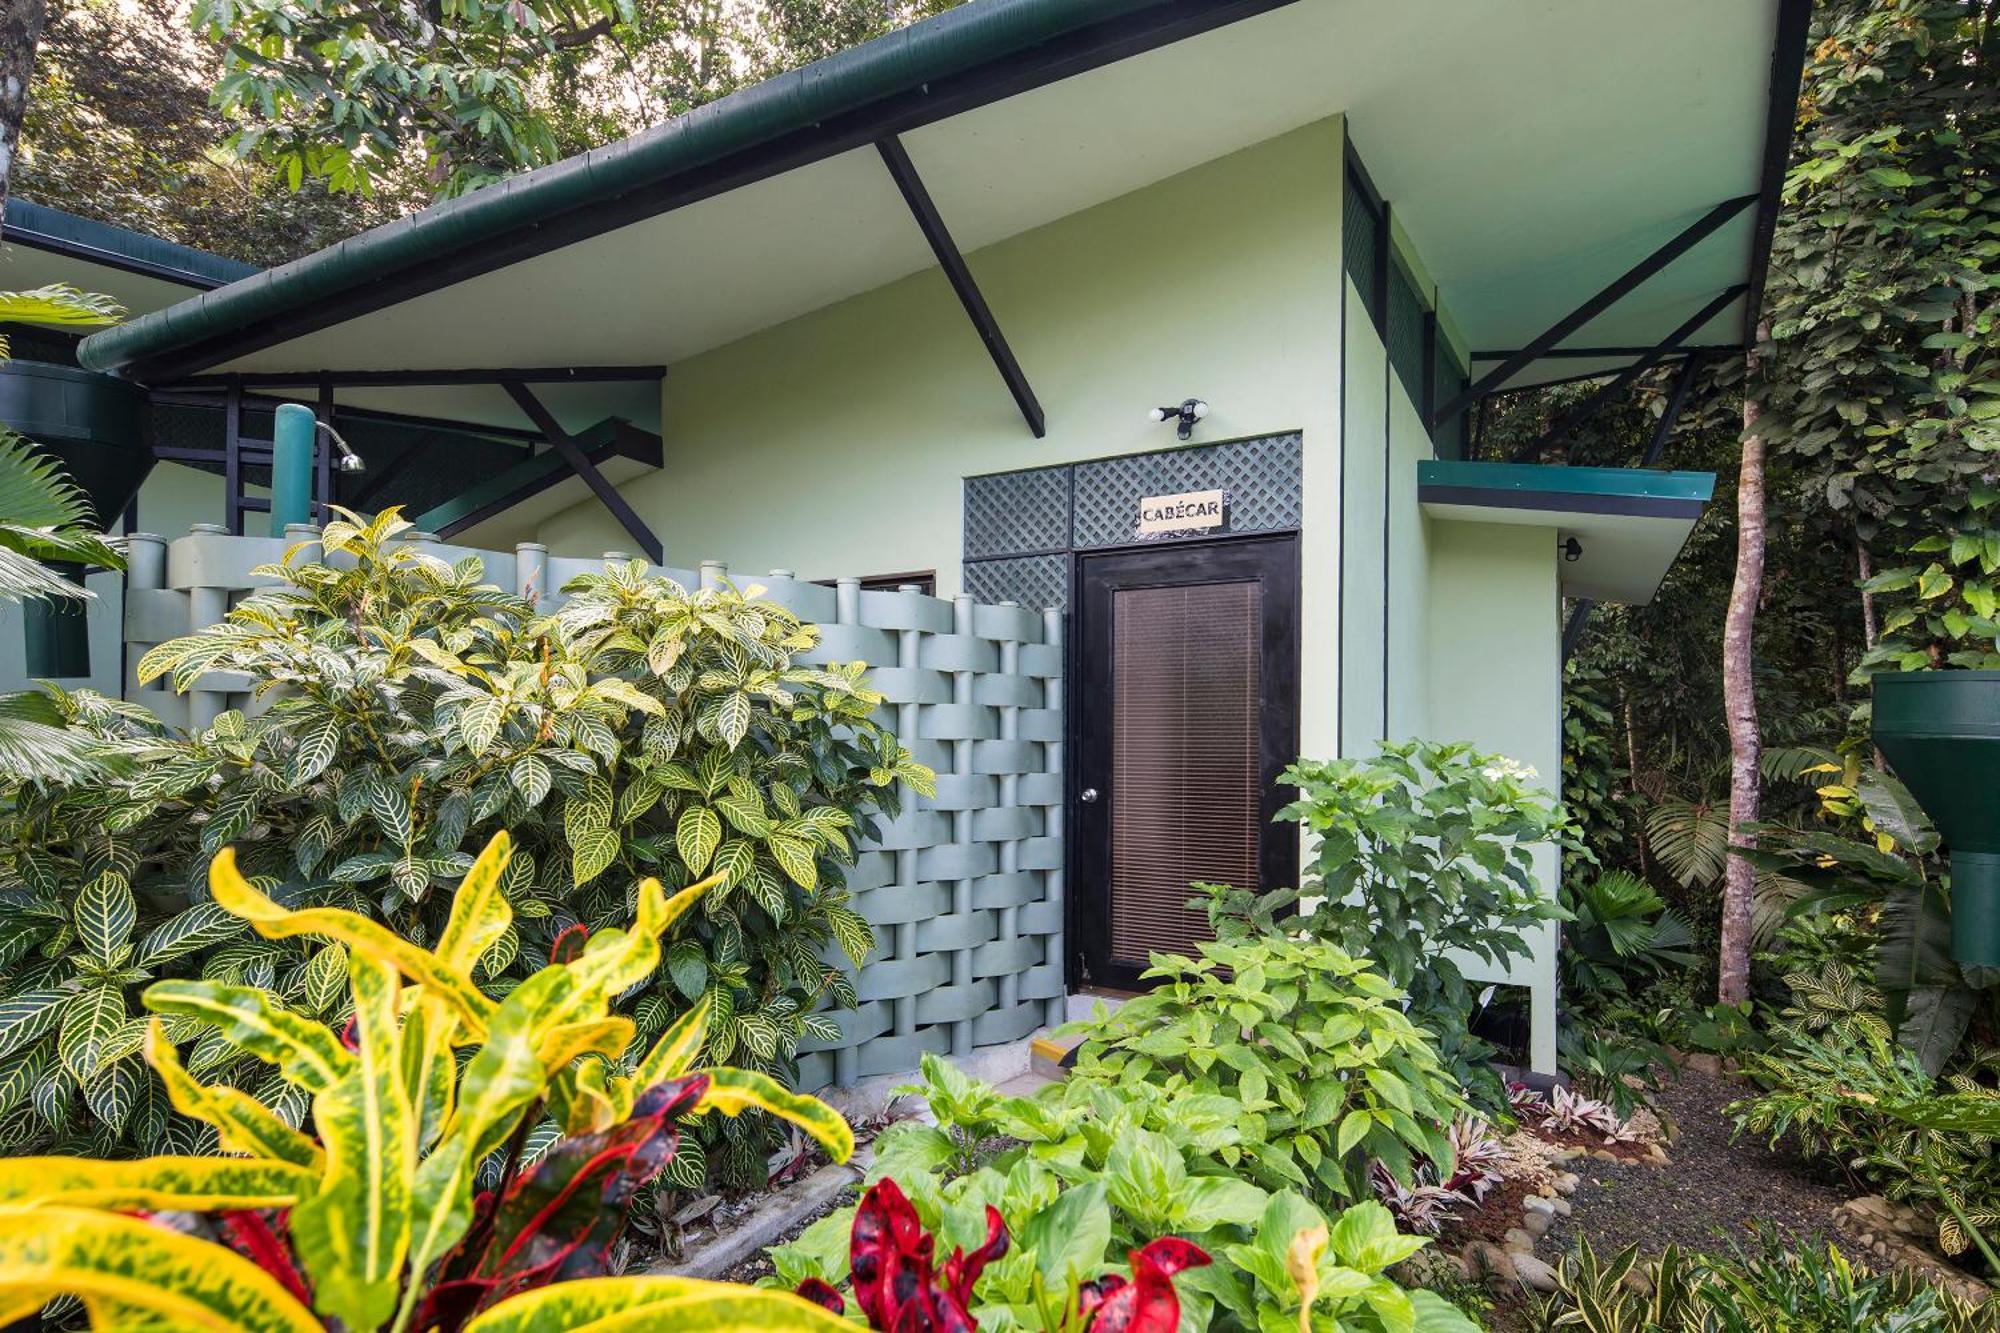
(904, 172)
(565, 444)
(1579, 616)
(1690, 236)
(1677, 401)
(1591, 406)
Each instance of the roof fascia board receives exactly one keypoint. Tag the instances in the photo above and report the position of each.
(56, 232)
(931, 70)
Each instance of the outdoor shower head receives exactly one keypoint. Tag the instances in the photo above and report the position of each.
(349, 461)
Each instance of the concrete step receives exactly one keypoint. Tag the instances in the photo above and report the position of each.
(1050, 1055)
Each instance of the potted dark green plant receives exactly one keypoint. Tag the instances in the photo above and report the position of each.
(1940, 731)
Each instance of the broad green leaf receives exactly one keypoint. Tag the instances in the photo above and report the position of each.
(28, 1015)
(242, 1123)
(307, 1053)
(635, 1304)
(734, 1091)
(154, 1184)
(696, 836)
(480, 913)
(367, 938)
(353, 1234)
(1069, 1237)
(92, 1021)
(105, 914)
(672, 1055)
(178, 1281)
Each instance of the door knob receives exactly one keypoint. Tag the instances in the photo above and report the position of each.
(1088, 796)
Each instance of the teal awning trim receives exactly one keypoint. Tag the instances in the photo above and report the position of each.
(1559, 489)
(44, 228)
(1016, 41)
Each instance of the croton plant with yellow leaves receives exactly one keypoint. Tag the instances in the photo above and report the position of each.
(373, 1222)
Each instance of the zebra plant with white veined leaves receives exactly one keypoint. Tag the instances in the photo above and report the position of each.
(373, 1221)
(641, 728)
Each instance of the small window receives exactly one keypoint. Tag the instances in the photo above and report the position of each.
(925, 581)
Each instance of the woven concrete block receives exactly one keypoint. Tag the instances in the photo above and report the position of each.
(965, 890)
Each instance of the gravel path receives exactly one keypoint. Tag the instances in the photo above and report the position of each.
(1712, 1193)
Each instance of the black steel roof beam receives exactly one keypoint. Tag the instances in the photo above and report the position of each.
(1116, 38)
(497, 434)
(579, 463)
(1689, 237)
(1788, 63)
(1591, 406)
(931, 223)
(379, 379)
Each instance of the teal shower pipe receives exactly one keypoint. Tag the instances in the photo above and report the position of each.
(292, 440)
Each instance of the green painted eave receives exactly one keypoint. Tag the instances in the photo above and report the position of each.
(1559, 489)
(32, 224)
(905, 62)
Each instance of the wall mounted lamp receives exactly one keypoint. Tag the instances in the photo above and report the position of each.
(1190, 411)
(1572, 550)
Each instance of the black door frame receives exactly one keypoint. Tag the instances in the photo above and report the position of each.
(1279, 843)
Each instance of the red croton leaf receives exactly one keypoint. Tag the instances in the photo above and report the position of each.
(896, 1282)
(568, 944)
(251, 1236)
(1147, 1303)
(559, 1219)
(821, 1293)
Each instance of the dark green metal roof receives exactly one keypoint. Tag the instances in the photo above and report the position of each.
(968, 56)
(44, 228)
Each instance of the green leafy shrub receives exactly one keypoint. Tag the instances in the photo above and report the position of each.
(1867, 1106)
(1777, 1285)
(1621, 933)
(1419, 853)
(407, 710)
(1311, 1046)
(1605, 1062)
(374, 1220)
(1087, 1171)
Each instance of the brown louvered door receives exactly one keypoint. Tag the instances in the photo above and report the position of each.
(1187, 712)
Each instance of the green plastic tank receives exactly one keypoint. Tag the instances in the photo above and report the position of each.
(1940, 731)
(96, 425)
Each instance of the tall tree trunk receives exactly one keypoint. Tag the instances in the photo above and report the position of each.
(1866, 570)
(1739, 699)
(20, 33)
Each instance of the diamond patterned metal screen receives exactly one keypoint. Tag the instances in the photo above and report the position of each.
(1040, 581)
(1020, 526)
(1011, 512)
(1260, 478)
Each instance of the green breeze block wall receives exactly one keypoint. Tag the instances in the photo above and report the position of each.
(965, 891)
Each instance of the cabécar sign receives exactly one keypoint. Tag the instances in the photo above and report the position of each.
(1190, 511)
